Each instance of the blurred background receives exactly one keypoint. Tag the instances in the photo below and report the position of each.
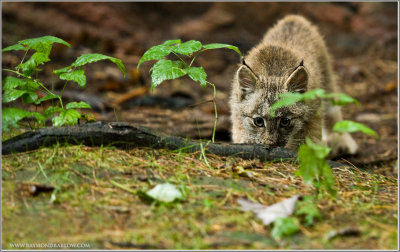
(362, 38)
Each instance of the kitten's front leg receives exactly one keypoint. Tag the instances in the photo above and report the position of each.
(341, 143)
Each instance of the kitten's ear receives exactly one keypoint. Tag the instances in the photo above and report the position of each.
(247, 79)
(298, 80)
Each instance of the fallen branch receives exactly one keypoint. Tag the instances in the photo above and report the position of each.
(125, 135)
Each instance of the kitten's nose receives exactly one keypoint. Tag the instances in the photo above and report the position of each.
(271, 143)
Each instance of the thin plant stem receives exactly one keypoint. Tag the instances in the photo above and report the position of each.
(215, 110)
(17, 73)
(196, 57)
(120, 186)
(184, 62)
(23, 58)
(65, 84)
(203, 154)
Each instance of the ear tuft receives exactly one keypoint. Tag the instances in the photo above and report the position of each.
(247, 79)
(298, 80)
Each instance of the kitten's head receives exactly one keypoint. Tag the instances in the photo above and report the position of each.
(253, 96)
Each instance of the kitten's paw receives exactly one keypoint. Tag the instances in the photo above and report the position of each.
(341, 144)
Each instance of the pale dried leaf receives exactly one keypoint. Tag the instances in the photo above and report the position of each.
(269, 214)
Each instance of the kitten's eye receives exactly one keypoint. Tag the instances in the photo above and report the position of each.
(284, 122)
(258, 121)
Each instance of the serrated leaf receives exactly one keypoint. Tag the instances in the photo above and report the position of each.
(46, 98)
(62, 70)
(74, 105)
(340, 99)
(40, 58)
(77, 75)
(94, 57)
(159, 51)
(11, 116)
(308, 164)
(165, 193)
(66, 117)
(11, 82)
(39, 117)
(166, 70)
(308, 209)
(172, 41)
(45, 39)
(16, 47)
(51, 110)
(350, 126)
(155, 53)
(28, 67)
(313, 94)
(320, 151)
(10, 95)
(327, 180)
(198, 74)
(42, 47)
(29, 97)
(188, 47)
(284, 227)
(285, 99)
(218, 45)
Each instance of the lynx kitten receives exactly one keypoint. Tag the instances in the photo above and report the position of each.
(292, 57)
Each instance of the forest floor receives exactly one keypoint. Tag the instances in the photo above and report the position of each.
(70, 187)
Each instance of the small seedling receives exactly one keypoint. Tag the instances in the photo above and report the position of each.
(25, 84)
(313, 167)
(165, 69)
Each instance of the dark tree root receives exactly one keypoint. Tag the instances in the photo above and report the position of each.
(125, 135)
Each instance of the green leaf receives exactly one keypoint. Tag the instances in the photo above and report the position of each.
(159, 51)
(28, 67)
(340, 99)
(320, 151)
(77, 75)
(66, 117)
(39, 117)
(11, 82)
(62, 70)
(40, 58)
(328, 179)
(166, 70)
(308, 209)
(172, 41)
(155, 53)
(94, 57)
(11, 116)
(313, 94)
(198, 74)
(308, 164)
(45, 39)
(10, 95)
(47, 97)
(29, 97)
(187, 48)
(165, 193)
(16, 47)
(350, 126)
(284, 227)
(285, 99)
(218, 45)
(51, 110)
(74, 105)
